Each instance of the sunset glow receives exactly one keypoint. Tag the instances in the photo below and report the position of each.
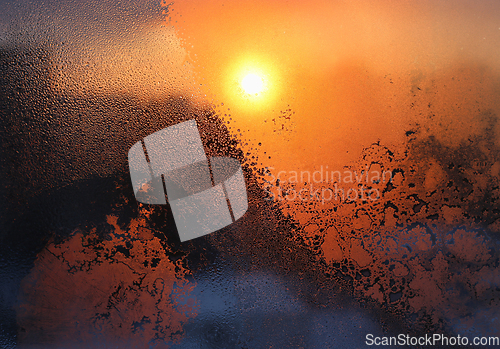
(250, 173)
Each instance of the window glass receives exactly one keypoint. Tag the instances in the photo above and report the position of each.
(249, 174)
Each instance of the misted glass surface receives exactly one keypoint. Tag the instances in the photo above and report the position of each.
(369, 145)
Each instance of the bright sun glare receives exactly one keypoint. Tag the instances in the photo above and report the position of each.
(252, 84)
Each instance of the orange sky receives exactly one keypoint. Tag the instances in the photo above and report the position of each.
(347, 71)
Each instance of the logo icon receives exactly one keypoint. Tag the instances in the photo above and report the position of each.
(205, 194)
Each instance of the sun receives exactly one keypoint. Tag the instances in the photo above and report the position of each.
(252, 84)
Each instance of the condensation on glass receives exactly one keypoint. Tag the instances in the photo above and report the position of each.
(370, 156)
